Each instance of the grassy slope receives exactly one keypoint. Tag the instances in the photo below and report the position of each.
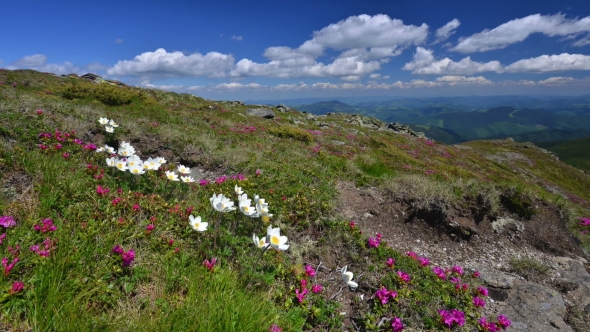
(574, 152)
(300, 169)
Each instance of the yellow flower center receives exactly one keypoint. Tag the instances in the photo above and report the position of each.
(275, 240)
(265, 219)
(261, 243)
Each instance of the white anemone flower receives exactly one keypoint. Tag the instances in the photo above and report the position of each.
(245, 206)
(152, 164)
(134, 160)
(259, 243)
(111, 162)
(103, 121)
(347, 277)
(196, 223)
(99, 150)
(221, 203)
(121, 164)
(274, 238)
(172, 176)
(109, 149)
(109, 129)
(161, 160)
(262, 208)
(183, 169)
(136, 169)
(187, 179)
(238, 190)
(126, 151)
(113, 124)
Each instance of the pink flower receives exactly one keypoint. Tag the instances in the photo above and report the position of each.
(116, 201)
(301, 295)
(65, 155)
(258, 172)
(221, 179)
(503, 321)
(210, 264)
(487, 326)
(457, 269)
(39, 112)
(203, 182)
(8, 267)
(397, 324)
(46, 227)
(150, 227)
(440, 273)
(16, 287)
(7, 221)
(478, 302)
(136, 207)
(309, 271)
(303, 283)
(78, 141)
(384, 295)
(118, 250)
(352, 224)
(585, 221)
(316, 288)
(374, 241)
(412, 254)
(482, 291)
(452, 317)
(390, 262)
(423, 261)
(275, 328)
(128, 257)
(476, 274)
(100, 190)
(404, 276)
(2, 237)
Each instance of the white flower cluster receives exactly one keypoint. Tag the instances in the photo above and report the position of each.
(127, 160)
(110, 125)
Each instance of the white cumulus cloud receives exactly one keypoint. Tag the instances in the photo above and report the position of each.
(163, 63)
(238, 38)
(444, 32)
(424, 63)
(34, 60)
(517, 30)
(548, 63)
(559, 80)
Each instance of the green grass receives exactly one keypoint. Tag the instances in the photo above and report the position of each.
(82, 285)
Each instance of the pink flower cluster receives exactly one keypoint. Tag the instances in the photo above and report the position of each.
(275, 328)
(101, 191)
(309, 271)
(478, 302)
(404, 276)
(502, 324)
(375, 241)
(390, 262)
(210, 264)
(440, 272)
(301, 295)
(17, 287)
(127, 256)
(384, 295)
(584, 221)
(7, 221)
(46, 226)
(452, 317)
(43, 249)
(397, 324)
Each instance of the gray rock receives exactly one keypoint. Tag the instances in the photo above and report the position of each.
(260, 112)
(494, 278)
(532, 307)
(282, 108)
(336, 142)
(310, 117)
(575, 281)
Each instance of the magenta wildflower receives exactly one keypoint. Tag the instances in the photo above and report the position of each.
(457, 269)
(150, 227)
(136, 207)
(390, 262)
(584, 221)
(210, 264)
(118, 250)
(8, 267)
(397, 324)
(423, 261)
(301, 295)
(352, 224)
(258, 172)
(7, 221)
(412, 254)
(476, 274)
(2, 237)
(384, 295)
(89, 146)
(58, 146)
(478, 302)
(128, 257)
(39, 112)
(221, 179)
(309, 271)
(316, 288)
(404, 276)
(275, 328)
(78, 141)
(17, 287)
(482, 291)
(241, 177)
(452, 317)
(203, 182)
(65, 155)
(440, 272)
(116, 200)
(100, 190)
(47, 226)
(503, 321)
(303, 283)
(487, 326)
(374, 241)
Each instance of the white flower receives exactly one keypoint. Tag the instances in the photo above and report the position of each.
(172, 176)
(347, 277)
(161, 160)
(187, 179)
(111, 162)
(134, 160)
(109, 129)
(109, 149)
(259, 243)
(183, 169)
(262, 207)
(152, 164)
(136, 169)
(121, 164)
(99, 150)
(113, 124)
(196, 223)
(103, 121)
(238, 190)
(274, 238)
(126, 150)
(245, 207)
(221, 203)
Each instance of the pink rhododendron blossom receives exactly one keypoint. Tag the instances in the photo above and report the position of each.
(210, 264)
(476, 274)
(203, 182)
(136, 207)
(384, 295)
(150, 227)
(316, 288)
(303, 283)
(7, 221)
(45, 227)
(2, 237)
(412, 254)
(478, 302)
(221, 179)
(423, 261)
(8, 267)
(585, 221)
(440, 272)
(452, 317)
(482, 291)
(100, 190)
(397, 325)
(275, 328)
(457, 269)
(128, 257)
(487, 326)
(301, 295)
(404, 276)
(503, 321)
(309, 271)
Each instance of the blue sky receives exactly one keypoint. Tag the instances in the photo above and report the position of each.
(295, 49)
